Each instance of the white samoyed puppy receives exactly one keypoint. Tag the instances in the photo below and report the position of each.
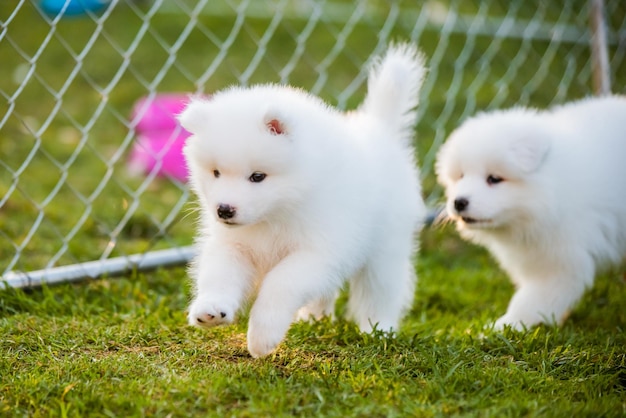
(545, 192)
(297, 197)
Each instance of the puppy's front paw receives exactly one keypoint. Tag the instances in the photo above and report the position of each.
(520, 321)
(263, 340)
(507, 320)
(209, 311)
(266, 329)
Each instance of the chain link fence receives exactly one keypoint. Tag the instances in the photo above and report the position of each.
(86, 131)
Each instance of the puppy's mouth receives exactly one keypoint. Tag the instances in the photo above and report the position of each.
(474, 221)
(231, 224)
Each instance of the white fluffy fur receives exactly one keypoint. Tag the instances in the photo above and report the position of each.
(559, 215)
(341, 201)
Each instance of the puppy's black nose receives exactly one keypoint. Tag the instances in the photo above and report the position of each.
(460, 204)
(225, 211)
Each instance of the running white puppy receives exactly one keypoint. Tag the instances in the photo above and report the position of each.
(297, 198)
(545, 192)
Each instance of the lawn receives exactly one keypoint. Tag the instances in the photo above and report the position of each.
(120, 346)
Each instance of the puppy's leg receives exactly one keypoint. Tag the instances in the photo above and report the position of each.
(222, 280)
(382, 293)
(298, 279)
(542, 300)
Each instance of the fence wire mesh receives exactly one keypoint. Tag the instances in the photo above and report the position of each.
(70, 85)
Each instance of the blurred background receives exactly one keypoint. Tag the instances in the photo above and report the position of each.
(90, 153)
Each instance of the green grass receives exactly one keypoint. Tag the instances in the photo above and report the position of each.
(120, 346)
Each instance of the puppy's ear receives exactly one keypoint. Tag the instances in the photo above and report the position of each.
(275, 123)
(194, 115)
(275, 127)
(530, 151)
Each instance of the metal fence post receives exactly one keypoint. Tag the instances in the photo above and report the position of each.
(599, 50)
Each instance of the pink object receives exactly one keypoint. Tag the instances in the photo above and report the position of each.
(160, 138)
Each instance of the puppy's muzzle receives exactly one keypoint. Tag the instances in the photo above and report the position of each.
(226, 211)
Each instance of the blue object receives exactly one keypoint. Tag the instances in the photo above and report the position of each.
(72, 7)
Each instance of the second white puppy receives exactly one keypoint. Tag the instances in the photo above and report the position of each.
(545, 192)
(297, 198)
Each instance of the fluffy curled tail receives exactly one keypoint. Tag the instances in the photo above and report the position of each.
(393, 87)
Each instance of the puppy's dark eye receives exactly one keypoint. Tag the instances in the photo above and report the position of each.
(257, 177)
(216, 173)
(491, 179)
